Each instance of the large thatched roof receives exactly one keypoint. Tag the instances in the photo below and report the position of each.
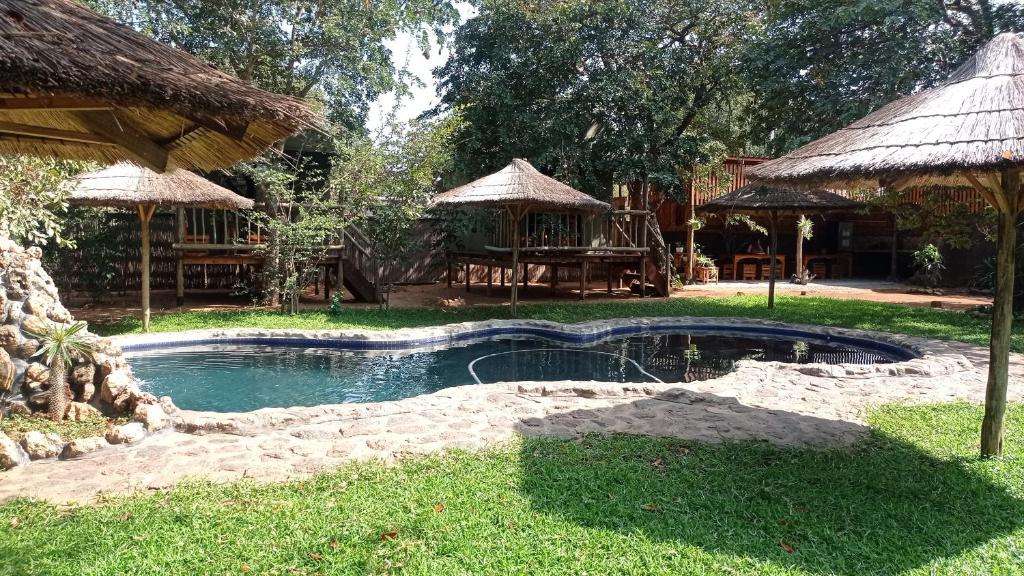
(520, 183)
(76, 84)
(127, 186)
(974, 121)
(763, 198)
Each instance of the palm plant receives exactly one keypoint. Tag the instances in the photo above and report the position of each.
(58, 344)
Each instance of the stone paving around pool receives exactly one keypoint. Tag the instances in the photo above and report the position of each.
(785, 405)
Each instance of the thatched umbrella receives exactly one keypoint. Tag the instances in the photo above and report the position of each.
(74, 84)
(519, 188)
(968, 132)
(129, 186)
(774, 201)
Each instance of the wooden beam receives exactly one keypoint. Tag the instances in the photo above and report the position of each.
(53, 104)
(128, 138)
(53, 134)
(993, 197)
(231, 129)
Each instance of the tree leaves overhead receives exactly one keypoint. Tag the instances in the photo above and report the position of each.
(598, 91)
(332, 50)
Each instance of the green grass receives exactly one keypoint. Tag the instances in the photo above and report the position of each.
(910, 499)
(928, 322)
(17, 426)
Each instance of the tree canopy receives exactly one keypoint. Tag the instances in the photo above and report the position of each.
(599, 91)
(333, 52)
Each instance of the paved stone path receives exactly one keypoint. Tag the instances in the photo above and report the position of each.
(786, 405)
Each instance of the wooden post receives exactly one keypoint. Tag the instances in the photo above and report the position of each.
(467, 277)
(583, 278)
(1008, 200)
(553, 271)
(772, 252)
(516, 214)
(490, 278)
(180, 264)
(145, 214)
(799, 249)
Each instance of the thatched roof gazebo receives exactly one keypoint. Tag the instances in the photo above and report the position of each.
(775, 201)
(519, 188)
(75, 84)
(126, 185)
(967, 132)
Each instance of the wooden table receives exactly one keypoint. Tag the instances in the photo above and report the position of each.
(760, 258)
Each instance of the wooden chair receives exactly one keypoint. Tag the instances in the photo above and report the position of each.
(727, 270)
(819, 269)
(748, 271)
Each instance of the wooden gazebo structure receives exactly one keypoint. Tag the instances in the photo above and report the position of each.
(966, 132)
(519, 190)
(773, 202)
(75, 84)
(126, 185)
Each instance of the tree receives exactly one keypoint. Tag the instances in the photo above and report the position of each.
(388, 181)
(332, 52)
(60, 345)
(818, 65)
(34, 196)
(597, 92)
(804, 231)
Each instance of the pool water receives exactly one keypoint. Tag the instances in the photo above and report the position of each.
(224, 378)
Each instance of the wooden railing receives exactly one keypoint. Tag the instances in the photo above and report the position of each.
(617, 229)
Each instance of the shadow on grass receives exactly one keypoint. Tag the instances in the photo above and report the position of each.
(878, 506)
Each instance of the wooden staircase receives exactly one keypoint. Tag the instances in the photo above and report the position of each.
(360, 270)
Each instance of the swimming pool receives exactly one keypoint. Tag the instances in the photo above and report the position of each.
(244, 376)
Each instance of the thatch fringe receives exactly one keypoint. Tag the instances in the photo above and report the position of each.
(520, 183)
(127, 186)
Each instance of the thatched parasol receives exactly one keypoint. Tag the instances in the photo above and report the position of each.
(968, 132)
(74, 84)
(519, 188)
(756, 199)
(130, 186)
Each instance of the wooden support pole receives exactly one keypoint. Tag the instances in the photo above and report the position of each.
(467, 277)
(145, 214)
(516, 215)
(583, 279)
(610, 270)
(490, 279)
(772, 252)
(179, 291)
(553, 271)
(1002, 316)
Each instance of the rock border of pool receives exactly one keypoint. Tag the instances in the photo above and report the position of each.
(782, 404)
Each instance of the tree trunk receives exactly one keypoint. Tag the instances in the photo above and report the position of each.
(58, 389)
(799, 264)
(1002, 319)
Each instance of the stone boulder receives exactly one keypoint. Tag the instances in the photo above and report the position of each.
(151, 416)
(11, 453)
(126, 433)
(83, 446)
(39, 445)
(79, 411)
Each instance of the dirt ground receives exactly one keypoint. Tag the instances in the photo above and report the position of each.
(127, 305)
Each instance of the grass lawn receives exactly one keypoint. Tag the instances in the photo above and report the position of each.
(911, 499)
(897, 318)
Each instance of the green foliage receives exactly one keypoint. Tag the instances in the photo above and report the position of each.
(34, 196)
(333, 52)
(390, 180)
(299, 226)
(95, 259)
(336, 305)
(927, 322)
(17, 426)
(804, 228)
(928, 266)
(594, 505)
(596, 92)
(60, 343)
(818, 65)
